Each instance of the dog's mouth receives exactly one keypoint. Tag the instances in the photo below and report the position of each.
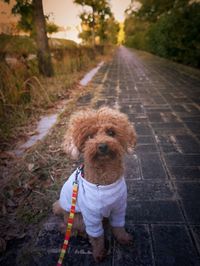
(102, 151)
(105, 156)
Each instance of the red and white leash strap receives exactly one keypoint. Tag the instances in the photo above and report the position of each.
(71, 216)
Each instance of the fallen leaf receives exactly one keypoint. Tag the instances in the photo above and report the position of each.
(30, 167)
(32, 133)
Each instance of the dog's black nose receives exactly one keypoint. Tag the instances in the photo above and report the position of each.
(103, 148)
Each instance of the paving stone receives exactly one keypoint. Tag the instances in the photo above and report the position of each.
(139, 119)
(178, 108)
(143, 129)
(178, 143)
(147, 190)
(38, 258)
(173, 246)
(145, 140)
(196, 234)
(146, 148)
(159, 100)
(193, 119)
(137, 254)
(185, 172)
(157, 109)
(154, 212)
(167, 126)
(14, 247)
(189, 193)
(49, 238)
(155, 117)
(174, 160)
(194, 127)
(152, 166)
(188, 144)
(132, 168)
(167, 144)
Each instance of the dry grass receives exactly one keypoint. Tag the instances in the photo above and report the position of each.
(24, 94)
(29, 185)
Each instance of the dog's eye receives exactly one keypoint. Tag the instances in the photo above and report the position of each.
(110, 132)
(90, 136)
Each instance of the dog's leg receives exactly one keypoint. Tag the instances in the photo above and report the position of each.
(57, 210)
(121, 235)
(98, 248)
(78, 224)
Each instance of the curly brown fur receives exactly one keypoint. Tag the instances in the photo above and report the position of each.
(103, 137)
(98, 249)
(87, 130)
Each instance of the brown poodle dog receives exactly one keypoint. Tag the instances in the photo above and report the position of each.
(103, 137)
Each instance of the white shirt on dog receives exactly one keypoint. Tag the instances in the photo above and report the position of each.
(96, 202)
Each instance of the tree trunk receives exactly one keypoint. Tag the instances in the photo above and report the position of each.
(93, 27)
(43, 52)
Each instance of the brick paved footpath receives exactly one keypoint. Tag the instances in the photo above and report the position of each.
(162, 99)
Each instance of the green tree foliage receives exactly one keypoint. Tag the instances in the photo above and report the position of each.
(24, 8)
(167, 28)
(151, 9)
(51, 27)
(97, 23)
(112, 30)
(177, 35)
(135, 32)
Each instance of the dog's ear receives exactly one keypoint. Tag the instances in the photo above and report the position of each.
(131, 137)
(70, 148)
(76, 134)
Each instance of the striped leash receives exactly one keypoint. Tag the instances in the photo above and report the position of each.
(71, 216)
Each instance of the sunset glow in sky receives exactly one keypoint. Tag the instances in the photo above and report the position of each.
(65, 13)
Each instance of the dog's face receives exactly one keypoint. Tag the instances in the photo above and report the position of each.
(103, 134)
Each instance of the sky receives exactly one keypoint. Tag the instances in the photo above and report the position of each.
(65, 13)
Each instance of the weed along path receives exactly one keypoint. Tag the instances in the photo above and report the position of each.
(47, 122)
(162, 100)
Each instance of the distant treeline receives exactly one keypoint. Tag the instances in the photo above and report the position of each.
(170, 29)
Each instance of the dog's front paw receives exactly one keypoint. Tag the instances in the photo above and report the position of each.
(122, 236)
(99, 255)
(98, 248)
